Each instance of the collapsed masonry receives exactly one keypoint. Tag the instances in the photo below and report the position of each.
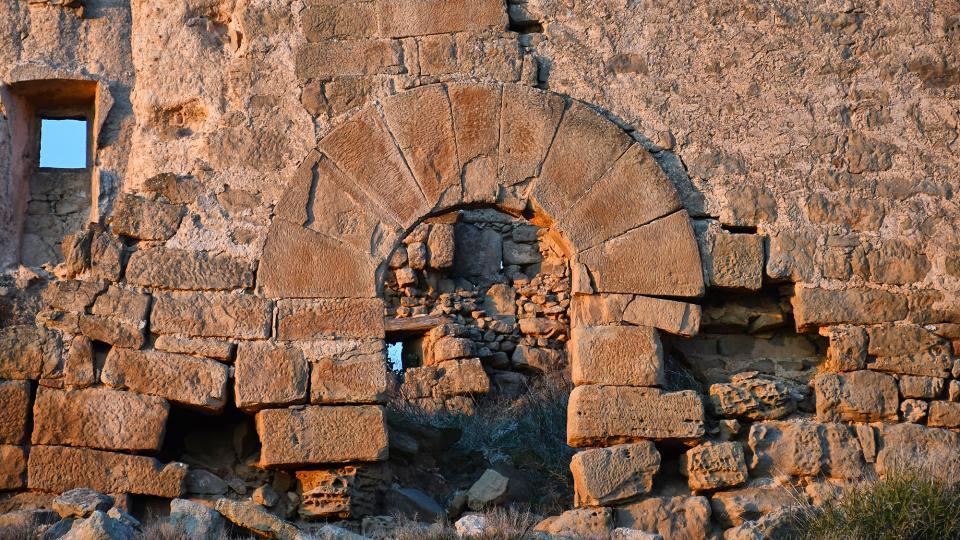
(230, 342)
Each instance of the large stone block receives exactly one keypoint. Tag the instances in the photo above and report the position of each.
(119, 332)
(420, 120)
(144, 219)
(99, 418)
(617, 355)
(922, 363)
(660, 258)
(476, 119)
(736, 261)
(529, 120)
(673, 317)
(14, 411)
(857, 396)
(406, 18)
(211, 315)
(585, 147)
(339, 20)
(910, 445)
(715, 466)
(806, 449)
(309, 435)
(603, 476)
(732, 508)
(602, 415)
(814, 307)
(944, 414)
(28, 352)
(164, 268)
(189, 380)
(317, 319)
(13, 467)
(365, 150)
(752, 397)
(634, 192)
(348, 58)
(356, 377)
(60, 468)
(300, 263)
(270, 375)
(679, 518)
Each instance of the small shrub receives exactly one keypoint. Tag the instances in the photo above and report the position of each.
(907, 505)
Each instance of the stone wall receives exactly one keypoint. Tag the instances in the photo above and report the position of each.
(259, 162)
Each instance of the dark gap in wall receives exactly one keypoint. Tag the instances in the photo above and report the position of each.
(740, 229)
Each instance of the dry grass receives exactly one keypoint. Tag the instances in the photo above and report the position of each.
(17, 532)
(501, 524)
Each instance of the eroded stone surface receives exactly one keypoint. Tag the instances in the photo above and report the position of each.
(211, 315)
(60, 468)
(603, 476)
(857, 396)
(14, 411)
(301, 436)
(716, 466)
(611, 414)
(192, 381)
(618, 355)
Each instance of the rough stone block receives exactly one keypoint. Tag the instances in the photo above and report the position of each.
(270, 375)
(405, 18)
(617, 355)
(14, 411)
(211, 315)
(99, 418)
(732, 508)
(600, 415)
(28, 352)
(315, 319)
(736, 261)
(915, 410)
(813, 307)
(209, 347)
(660, 258)
(908, 444)
(912, 386)
(715, 466)
(144, 219)
(364, 149)
(421, 122)
(340, 492)
(633, 193)
(752, 397)
(345, 58)
(848, 348)
(122, 303)
(119, 332)
(164, 268)
(924, 363)
(13, 467)
(72, 295)
(672, 517)
(339, 20)
(302, 436)
(349, 378)
(603, 476)
(529, 120)
(585, 147)
(944, 414)
(197, 382)
(806, 449)
(60, 468)
(857, 396)
(578, 523)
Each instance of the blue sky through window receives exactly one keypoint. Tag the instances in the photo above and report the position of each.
(63, 144)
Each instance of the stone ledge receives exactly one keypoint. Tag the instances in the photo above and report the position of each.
(58, 468)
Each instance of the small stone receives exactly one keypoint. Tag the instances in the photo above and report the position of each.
(490, 489)
(265, 496)
(603, 476)
(471, 525)
(411, 501)
(752, 398)
(81, 502)
(913, 410)
(417, 255)
(100, 526)
(716, 466)
(196, 520)
(623, 533)
(201, 482)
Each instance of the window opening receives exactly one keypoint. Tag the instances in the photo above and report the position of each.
(63, 143)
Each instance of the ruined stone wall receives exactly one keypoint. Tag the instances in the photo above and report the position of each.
(259, 162)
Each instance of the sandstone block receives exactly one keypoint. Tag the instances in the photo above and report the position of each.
(28, 352)
(14, 411)
(944, 414)
(270, 375)
(668, 264)
(449, 348)
(752, 397)
(119, 332)
(460, 378)
(806, 449)
(211, 315)
(908, 444)
(314, 319)
(634, 192)
(211, 348)
(848, 348)
(348, 58)
(106, 255)
(585, 147)
(164, 268)
(364, 149)
(617, 355)
(13, 467)
(349, 378)
(441, 245)
(78, 368)
(610, 414)
(99, 418)
(673, 317)
(421, 122)
(715, 466)
(405, 18)
(144, 219)
(476, 119)
(914, 410)
(301, 436)
(857, 396)
(60, 468)
(251, 516)
(814, 307)
(732, 508)
(921, 387)
(603, 476)
(537, 359)
(342, 492)
(192, 381)
(72, 295)
(736, 261)
(682, 518)
(339, 20)
(122, 303)
(529, 121)
(924, 363)
(579, 523)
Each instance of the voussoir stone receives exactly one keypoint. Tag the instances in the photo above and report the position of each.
(405, 18)
(99, 418)
(61, 468)
(617, 355)
(524, 140)
(301, 436)
(270, 375)
(603, 476)
(316, 319)
(190, 270)
(660, 258)
(14, 411)
(599, 415)
(197, 382)
(211, 315)
(144, 219)
(715, 466)
(857, 396)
